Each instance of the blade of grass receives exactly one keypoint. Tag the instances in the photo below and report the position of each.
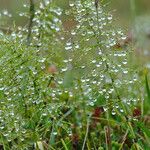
(64, 116)
(124, 138)
(147, 87)
(64, 144)
(108, 138)
(143, 128)
(52, 136)
(131, 130)
(86, 134)
(88, 145)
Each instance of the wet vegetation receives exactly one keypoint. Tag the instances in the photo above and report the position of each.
(70, 80)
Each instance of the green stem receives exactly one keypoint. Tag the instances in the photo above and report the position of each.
(32, 14)
(133, 10)
(64, 144)
(86, 135)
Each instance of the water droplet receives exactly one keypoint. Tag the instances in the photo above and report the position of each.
(125, 71)
(44, 114)
(113, 112)
(121, 110)
(64, 69)
(54, 133)
(71, 4)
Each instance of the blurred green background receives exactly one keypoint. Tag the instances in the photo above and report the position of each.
(122, 9)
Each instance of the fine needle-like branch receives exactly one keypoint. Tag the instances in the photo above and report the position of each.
(32, 13)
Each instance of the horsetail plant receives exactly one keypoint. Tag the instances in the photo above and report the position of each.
(66, 88)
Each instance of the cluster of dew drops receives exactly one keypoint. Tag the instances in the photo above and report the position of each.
(80, 56)
(97, 76)
(12, 122)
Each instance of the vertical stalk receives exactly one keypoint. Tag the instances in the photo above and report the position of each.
(133, 9)
(86, 134)
(108, 138)
(133, 15)
(107, 129)
(32, 13)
